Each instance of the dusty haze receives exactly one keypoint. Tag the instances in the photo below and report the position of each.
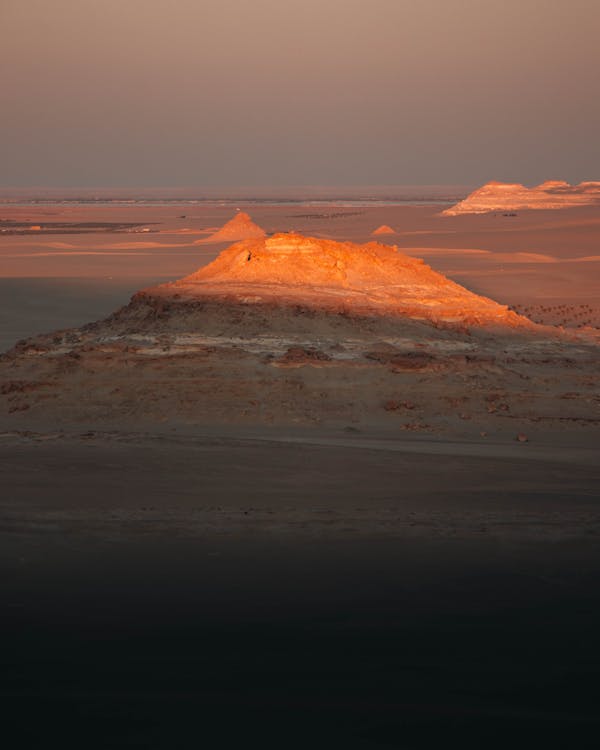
(319, 91)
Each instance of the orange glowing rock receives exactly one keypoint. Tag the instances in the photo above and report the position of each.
(501, 196)
(384, 229)
(241, 227)
(341, 277)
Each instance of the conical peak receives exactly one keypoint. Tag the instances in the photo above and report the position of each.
(239, 227)
(384, 229)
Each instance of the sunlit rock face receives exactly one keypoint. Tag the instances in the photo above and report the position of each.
(369, 279)
(297, 331)
(384, 229)
(501, 196)
(241, 227)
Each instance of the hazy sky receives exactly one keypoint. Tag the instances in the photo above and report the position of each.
(284, 92)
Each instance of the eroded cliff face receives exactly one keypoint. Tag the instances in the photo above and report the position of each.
(501, 196)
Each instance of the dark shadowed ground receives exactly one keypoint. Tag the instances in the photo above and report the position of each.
(226, 593)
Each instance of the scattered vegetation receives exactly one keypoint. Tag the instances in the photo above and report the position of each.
(565, 315)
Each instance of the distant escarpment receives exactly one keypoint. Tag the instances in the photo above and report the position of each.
(501, 196)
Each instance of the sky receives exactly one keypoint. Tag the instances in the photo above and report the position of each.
(130, 93)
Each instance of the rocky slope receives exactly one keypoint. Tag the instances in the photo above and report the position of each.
(369, 279)
(295, 331)
(501, 196)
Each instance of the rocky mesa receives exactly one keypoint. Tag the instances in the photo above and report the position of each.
(502, 196)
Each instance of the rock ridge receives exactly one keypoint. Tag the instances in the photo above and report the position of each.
(502, 196)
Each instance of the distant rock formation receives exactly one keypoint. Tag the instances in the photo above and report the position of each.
(502, 196)
(241, 227)
(384, 229)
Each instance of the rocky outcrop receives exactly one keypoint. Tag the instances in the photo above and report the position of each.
(340, 277)
(501, 196)
(299, 331)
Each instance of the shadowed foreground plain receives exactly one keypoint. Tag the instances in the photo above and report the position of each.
(161, 591)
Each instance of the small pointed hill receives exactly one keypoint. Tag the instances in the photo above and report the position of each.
(369, 279)
(503, 196)
(383, 229)
(240, 227)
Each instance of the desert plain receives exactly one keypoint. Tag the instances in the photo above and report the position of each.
(373, 529)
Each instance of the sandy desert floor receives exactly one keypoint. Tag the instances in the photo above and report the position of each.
(357, 583)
